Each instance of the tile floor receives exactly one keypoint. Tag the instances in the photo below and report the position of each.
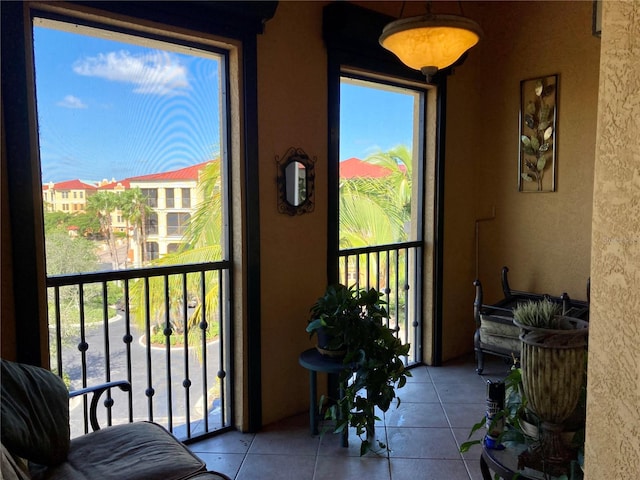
(439, 407)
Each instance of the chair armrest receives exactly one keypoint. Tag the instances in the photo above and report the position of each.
(97, 391)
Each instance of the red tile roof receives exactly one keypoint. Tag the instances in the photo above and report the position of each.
(71, 185)
(187, 173)
(113, 185)
(356, 168)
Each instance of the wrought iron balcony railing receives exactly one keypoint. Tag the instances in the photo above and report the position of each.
(166, 330)
(395, 270)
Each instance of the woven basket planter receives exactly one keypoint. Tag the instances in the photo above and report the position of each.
(552, 376)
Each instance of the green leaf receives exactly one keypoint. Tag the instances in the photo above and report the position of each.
(535, 144)
(544, 147)
(526, 177)
(545, 112)
(364, 447)
(464, 447)
(526, 141)
(315, 325)
(531, 108)
(542, 161)
(528, 151)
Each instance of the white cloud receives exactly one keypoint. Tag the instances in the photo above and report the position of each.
(158, 73)
(71, 102)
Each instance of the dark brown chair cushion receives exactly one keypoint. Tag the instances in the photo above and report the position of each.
(35, 413)
(135, 451)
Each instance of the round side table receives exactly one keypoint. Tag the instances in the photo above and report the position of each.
(315, 362)
(504, 463)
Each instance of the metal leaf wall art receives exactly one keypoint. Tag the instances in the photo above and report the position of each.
(538, 117)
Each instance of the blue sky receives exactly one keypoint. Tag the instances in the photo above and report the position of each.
(110, 109)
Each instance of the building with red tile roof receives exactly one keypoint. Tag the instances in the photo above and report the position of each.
(69, 196)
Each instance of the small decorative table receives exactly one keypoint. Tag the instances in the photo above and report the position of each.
(315, 362)
(504, 463)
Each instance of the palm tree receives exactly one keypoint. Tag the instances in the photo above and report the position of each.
(135, 211)
(377, 210)
(103, 204)
(202, 242)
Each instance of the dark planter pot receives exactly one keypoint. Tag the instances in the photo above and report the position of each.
(324, 346)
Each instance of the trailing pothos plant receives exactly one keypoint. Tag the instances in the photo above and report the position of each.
(373, 358)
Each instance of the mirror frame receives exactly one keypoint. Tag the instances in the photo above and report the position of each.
(307, 205)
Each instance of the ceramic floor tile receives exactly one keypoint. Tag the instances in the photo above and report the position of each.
(439, 406)
(461, 436)
(467, 392)
(473, 468)
(229, 442)
(227, 463)
(331, 444)
(289, 436)
(416, 415)
(369, 468)
(428, 469)
(419, 374)
(293, 442)
(422, 443)
(417, 392)
(277, 467)
(462, 415)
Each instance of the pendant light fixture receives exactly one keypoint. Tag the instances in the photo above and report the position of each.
(430, 42)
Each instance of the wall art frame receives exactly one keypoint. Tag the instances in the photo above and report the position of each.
(538, 134)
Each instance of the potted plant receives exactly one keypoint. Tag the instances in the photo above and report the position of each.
(355, 321)
(552, 353)
(331, 316)
(522, 426)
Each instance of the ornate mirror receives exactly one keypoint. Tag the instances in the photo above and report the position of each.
(296, 179)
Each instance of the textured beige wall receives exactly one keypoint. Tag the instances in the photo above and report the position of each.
(292, 111)
(544, 238)
(613, 397)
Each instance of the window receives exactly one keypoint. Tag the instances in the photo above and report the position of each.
(65, 194)
(168, 202)
(177, 223)
(151, 196)
(173, 247)
(152, 251)
(190, 44)
(381, 150)
(186, 198)
(151, 224)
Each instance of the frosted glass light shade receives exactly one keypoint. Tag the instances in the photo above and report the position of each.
(431, 42)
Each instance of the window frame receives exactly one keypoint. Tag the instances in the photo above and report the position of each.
(351, 35)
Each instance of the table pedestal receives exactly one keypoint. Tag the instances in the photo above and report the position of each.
(313, 361)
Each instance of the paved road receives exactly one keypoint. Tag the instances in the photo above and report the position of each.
(158, 363)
